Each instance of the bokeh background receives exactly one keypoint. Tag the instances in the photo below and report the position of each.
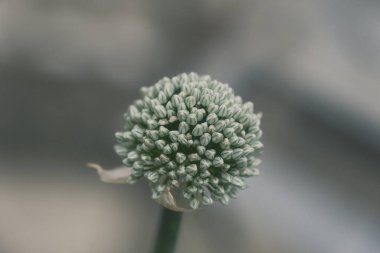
(70, 68)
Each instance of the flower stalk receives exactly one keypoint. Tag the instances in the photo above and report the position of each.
(167, 234)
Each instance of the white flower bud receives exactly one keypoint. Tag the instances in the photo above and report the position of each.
(205, 100)
(193, 157)
(176, 100)
(120, 150)
(173, 135)
(192, 119)
(222, 111)
(137, 133)
(160, 144)
(210, 154)
(205, 164)
(194, 204)
(237, 153)
(180, 158)
(133, 156)
(153, 134)
(211, 118)
(220, 125)
(212, 108)
(201, 150)
(159, 111)
(183, 127)
(162, 97)
(191, 169)
(227, 154)
(182, 115)
(167, 150)
(174, 146)
(163, 131)
(205, 139)
(217, 137)
(152, 176)
(190, 102)
(198, 130)
(218, 162)
(200, 114)
(207, 200)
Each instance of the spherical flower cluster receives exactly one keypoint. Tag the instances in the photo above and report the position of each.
(192, 134)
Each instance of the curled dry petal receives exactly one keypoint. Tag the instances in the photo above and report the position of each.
(167, 200)
(118, 175)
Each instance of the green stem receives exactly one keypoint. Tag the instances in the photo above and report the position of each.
(168, 231)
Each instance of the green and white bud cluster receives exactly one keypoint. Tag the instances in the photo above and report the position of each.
(193, 134)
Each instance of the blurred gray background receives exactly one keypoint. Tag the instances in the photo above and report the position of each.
(70, 68)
